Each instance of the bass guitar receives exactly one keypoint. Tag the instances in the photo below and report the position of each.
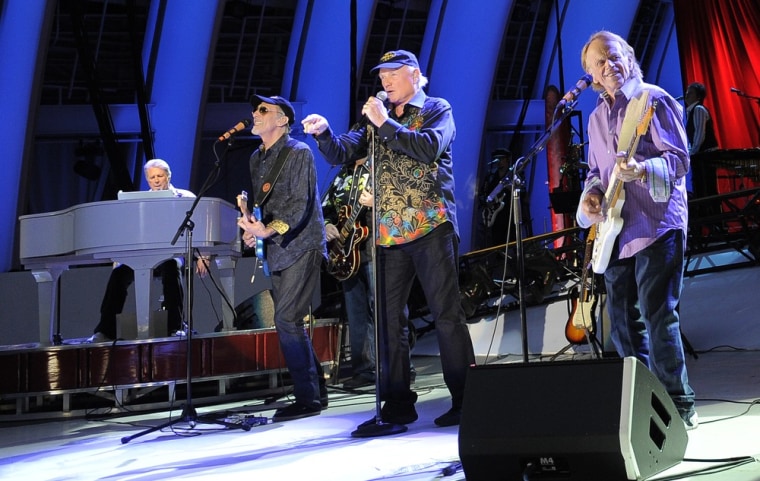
(581, 321)
(242, 202)
(612, 204)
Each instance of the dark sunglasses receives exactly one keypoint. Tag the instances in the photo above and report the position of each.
(263, 110)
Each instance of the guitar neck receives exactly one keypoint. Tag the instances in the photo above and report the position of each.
(355, 212)
(613, 193)
(590, 237)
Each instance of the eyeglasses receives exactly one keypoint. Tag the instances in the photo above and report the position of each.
(263, 110)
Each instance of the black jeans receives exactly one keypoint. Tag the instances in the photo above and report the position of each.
(434, 260)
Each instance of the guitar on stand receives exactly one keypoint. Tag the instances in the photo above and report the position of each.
(581, 323)
(614, 197)
(242, 202)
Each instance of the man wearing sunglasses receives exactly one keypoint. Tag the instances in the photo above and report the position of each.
(284, 182)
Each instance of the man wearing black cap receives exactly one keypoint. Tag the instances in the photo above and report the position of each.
(416, 226)
(284, 181)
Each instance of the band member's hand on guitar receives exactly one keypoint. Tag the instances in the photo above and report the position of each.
(592, 207)
(627, 169)
(331, 232)
(253, 229)
(366, 198)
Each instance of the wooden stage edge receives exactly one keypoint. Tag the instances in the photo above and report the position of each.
(71, 380)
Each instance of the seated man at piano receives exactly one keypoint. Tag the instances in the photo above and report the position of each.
(158, 175)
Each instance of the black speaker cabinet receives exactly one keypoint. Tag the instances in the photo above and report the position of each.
(598, 420)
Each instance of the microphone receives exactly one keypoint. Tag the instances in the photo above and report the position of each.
(736, 90)
(242, 125)
(383, 96)
(680, 97)
(573, 94)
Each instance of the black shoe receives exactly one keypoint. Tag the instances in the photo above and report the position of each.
(407, 417)
(397, 412)
(449, 418)
(358, 381)
(323, 399)
(295, 411)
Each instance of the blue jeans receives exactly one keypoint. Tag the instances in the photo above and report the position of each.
(358, 293)
(292, 291)
(642, 298)
(434, 260)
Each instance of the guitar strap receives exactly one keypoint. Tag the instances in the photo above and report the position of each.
(274, 173)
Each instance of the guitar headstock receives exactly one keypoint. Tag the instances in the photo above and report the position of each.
(242, 203)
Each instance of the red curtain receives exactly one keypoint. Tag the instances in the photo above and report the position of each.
(719, 43)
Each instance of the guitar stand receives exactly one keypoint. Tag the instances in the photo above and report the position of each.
(591, 340)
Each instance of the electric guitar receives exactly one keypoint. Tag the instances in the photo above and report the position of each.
(242, 202)
(343, 252)
(493, 208)
(612, 204)
(581, 319)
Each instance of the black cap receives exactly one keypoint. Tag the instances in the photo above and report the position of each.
(396, 59)
(285, 105)
(501, 152)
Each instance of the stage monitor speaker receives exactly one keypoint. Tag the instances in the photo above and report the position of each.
(598, 420)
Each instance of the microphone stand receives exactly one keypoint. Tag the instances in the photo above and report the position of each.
(746, 96)
(379, 427)
(189, 414)
(515, 184)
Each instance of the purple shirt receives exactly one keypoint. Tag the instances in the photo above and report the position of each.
(658, 203)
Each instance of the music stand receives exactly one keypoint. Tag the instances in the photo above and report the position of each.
(189, 414)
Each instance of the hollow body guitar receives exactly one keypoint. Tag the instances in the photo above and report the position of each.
(242, 202)
(612, 203)
(343, 253)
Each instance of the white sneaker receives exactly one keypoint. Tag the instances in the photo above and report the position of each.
(692, 422)
(98, 337)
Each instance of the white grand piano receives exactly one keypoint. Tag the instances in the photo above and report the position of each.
(135, 232)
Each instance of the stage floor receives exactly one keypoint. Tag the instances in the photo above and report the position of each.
(725, 376)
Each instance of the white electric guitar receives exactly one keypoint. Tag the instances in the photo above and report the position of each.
(612, 203)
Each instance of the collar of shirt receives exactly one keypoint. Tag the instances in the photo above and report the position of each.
(631, 88)
(418, 101)
(276, 147)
